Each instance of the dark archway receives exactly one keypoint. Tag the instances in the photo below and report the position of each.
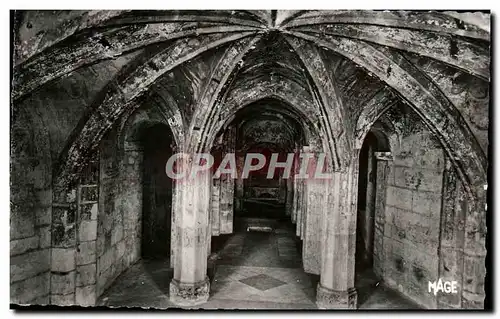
(366, 203)
(157, 192)
(371, 186)
(265, 128)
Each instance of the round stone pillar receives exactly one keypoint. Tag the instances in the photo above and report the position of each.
(190, 285)
(336, 287)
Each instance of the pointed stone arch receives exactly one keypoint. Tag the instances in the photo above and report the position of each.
(282, 90)
(125, 96)
(220, 80)
(424, 97)
(333, 113)
(106, 44)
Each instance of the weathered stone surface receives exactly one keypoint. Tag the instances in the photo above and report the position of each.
(88, 230)
(331, 299)
(418, 81)
(86, 275)
(21, 246)
(27, 291)
(62, 283)
(63, 259)
(63, 300)
(189, 294)
(29, 264)
(86, 296)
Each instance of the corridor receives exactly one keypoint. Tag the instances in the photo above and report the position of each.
(250, 270)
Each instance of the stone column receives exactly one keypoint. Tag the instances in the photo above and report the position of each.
(74, 234)
(190, 285)
(215, 207)
(289, 194)
(474, 252)
(383, 171)
(461, 247)
(63, 254)
(240, 161)
(295, 197)
(227, 186)
(336, 286)
(311, 247)
(301, 190)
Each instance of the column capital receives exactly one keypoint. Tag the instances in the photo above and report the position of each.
(332, 299)
(189, 294)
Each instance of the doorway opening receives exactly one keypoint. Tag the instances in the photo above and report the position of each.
(157, 193)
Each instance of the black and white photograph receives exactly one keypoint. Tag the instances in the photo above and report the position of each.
(250, 159)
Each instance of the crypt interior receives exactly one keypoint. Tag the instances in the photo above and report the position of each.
(397, 100)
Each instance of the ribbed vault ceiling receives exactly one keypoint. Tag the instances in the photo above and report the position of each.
(347, 59)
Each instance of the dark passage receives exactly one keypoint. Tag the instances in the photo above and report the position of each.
(157, 193)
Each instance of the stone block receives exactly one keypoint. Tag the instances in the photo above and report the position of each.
(427, 203)
(62, 283)
(474, 274)
(449, 301)
(425, 300)
(100, 241)
(29, 264)
(43, 215)
(422, 258)
(116, 234)
(87, 230)
(45, 236)
(418, 178)
(120, 250)
(399, 197)
(20, 246)
(432, 181)
(431, 158)
(27, 291)
(63, 259)
(42, 300)
(472, 300)
(106, 260)
(63, 300)
(86, 274)
(86, 253)
(22, 222)
(86, 296)
(104, 278)
(406, 177)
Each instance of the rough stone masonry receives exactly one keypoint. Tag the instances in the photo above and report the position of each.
(397, 100)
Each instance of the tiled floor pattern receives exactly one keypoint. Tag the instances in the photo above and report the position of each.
(254, 271)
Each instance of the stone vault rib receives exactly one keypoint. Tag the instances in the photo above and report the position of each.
(108, 44)
(450, 50)
(125, 95)
(425, 98)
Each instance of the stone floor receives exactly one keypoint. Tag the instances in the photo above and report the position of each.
(254, 270)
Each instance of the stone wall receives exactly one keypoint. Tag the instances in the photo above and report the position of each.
(120, 212)
(47, 226)
(31, 209)
(409, 257)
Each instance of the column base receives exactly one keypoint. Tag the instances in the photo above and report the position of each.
(187, 294)
(332, 299)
